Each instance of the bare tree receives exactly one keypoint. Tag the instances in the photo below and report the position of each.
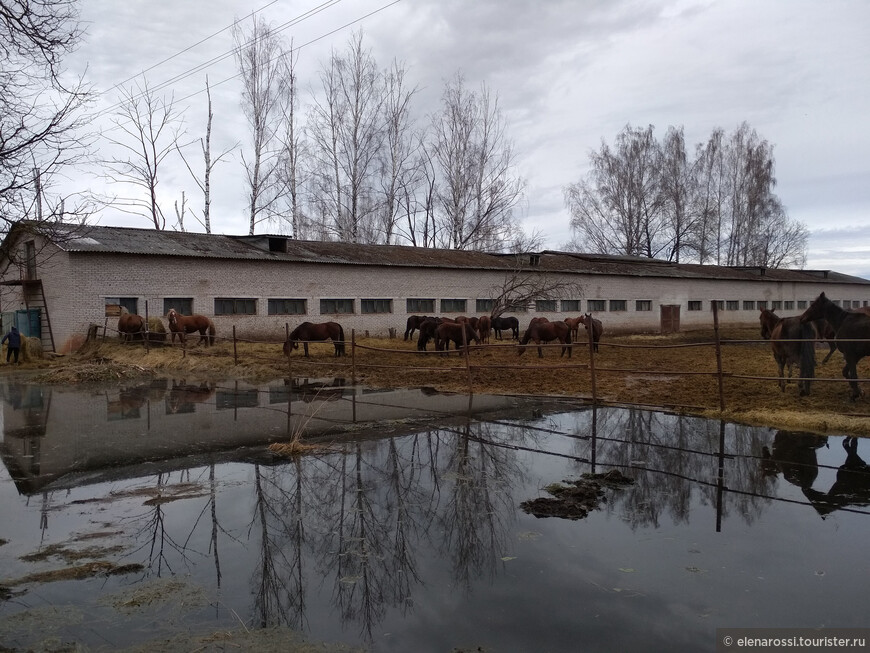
(149, 130)
(477, 187)
(710, 198)
(677, 191)
(259, 55)
(42, 126)
(204, 182)
(525, 283)
(290, 170)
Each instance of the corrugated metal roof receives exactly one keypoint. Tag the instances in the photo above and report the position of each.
(126, 240)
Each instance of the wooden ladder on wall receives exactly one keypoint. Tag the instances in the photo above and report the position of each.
(34, 297)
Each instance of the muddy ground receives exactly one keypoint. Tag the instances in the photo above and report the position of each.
(675, 372)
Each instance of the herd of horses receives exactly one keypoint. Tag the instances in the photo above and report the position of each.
(793, 339)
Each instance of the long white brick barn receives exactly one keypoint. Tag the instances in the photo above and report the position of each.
(261, 283)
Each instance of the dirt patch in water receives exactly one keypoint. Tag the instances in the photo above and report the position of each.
(576, 499)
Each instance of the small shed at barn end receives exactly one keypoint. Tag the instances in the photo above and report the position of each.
(84, 275)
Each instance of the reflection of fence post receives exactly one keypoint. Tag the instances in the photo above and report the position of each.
(467, 359)
(235, 350)
(718, 354)
(353, 357)
(592, 364)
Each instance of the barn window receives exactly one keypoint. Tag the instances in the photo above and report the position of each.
(643, 305)
(376, 306)
(788, 306)
(115, 304)
(235, 306)
(596, 305)
(484, 305)
(229, 399)
(760, 304)
(287, 307)
(453, 305)
(419, 306)
(777, 306)
(718, 303)
(571, 305)
(545, 305)
(336, 306)
(183, 305)
(695, 305)
(732, 305)
(617, 305)
(748, 305)
(802, 304)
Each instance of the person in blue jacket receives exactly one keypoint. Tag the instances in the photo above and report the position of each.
(14, 338)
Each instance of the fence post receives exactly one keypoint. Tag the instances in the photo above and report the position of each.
(235, 349)
(467, 360)
(592, 364)
(353, 357)
(105, 329)
(718, 354)
(146, 335)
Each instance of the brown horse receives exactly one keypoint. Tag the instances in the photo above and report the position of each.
(484, 326)
(413, 323)
(311, 332)
(500, 324)
(792, 344)
(448, 332)
(823, 330)
(546, 332)
(182, 396)
(184, 324)
(574, 323)
(130, 327)
(593, 327)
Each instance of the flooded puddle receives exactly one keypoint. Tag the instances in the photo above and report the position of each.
(156, 516)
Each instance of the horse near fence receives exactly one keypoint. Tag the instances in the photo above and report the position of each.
(500, 324)
(130, 326)
(461, 334)
(315, 332)
(793, 344)
(849, 328)
(594, 328)
(546, 332)
(413, 324)
(484, 327)
(184, 324)
(823, 330)
(574, 324)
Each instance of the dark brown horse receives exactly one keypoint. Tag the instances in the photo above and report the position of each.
(130, 327)
(455, 332)
(546, 332)
(849, 326)
(593, 327)
(184, 324)
(574, 323)
(427, 330)
(791, 343)
(312, 332)
(500, 324)
(824, 331)
(413, 323)
(484, 326)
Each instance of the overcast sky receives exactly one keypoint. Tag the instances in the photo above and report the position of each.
(568, 74)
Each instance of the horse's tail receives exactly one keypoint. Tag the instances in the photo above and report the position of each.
(808, 356)
(340, 344)
(211, 332)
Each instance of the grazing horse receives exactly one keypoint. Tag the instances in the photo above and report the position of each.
(413, 323)
(130, 326)
(448, 332)
(546, 332)
(769, 320)
(574, 323)
(427, 331)
(593, 327)
(184, 324)
(484, 326)
(500, 324)
(848, 326)
(312, 332)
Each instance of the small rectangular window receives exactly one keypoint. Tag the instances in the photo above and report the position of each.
(376, 306)
(695, 305)
(788, 306)
(286, 307)
(235, 306)
(419, 306)
(720, 304)
(115, 304)
(453, 305)
(336, 306)
(760, 304)
(776, 306)
(484, 305)
(617, 305)
(596, 305)
(802, 304)
(643, 305)
(545, 305)
(228, 399)
(571, 305)
(748, 305)
(183, 305)
(732, 305)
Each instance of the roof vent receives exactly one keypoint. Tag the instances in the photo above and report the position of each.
(278, 244)
(534, 259)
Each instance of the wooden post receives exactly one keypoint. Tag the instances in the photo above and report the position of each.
(718, 354)
(105, 329)
(592, 364)
(467, 361)
(235, 348)
(353, 357)
(145, 335)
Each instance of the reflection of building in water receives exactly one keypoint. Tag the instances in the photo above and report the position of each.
(24, 413)
(129, 402)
